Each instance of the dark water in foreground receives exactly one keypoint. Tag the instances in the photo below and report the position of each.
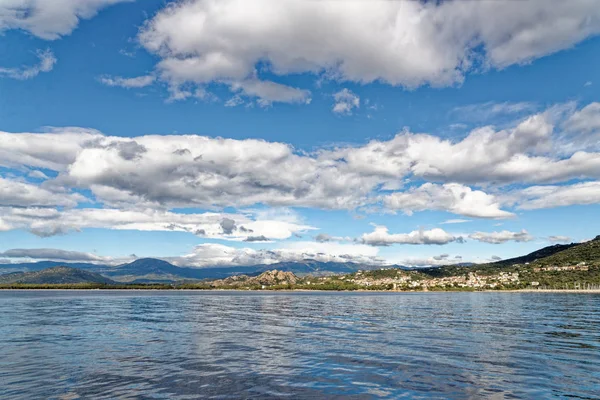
(172, 345)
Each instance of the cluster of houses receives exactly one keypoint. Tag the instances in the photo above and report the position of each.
(471, 280)
(579, 267)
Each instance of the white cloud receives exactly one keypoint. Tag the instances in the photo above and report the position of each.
(48, 222)
(170, 171)
(54, 254)
(381, 237)
(501, 237)
(22, 194)
(37, 174)
(583, 129)
(456, 221)
(400, 43)
(54, 150)
(559, 239)
(324, 238)
(48, 19)
(208, 255)
(451, 197)
(46, 64)
(128, 83)
(234, 101)
(345, 102)
(490, 110)
(536, 197)
(269, 92)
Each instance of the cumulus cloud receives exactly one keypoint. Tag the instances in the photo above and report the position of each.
(399, 43)
(22, 194)
(128, 83)
(451, 197)
(48, 19)
(381, 237)
(516, 154)
(465, 177)
(501, 237)
(345, 102)
(46, 64)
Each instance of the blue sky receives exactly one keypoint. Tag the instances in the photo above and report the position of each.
(227, 133)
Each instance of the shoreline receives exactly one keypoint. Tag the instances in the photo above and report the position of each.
(571, 291)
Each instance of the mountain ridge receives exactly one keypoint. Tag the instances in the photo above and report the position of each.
(148, 270)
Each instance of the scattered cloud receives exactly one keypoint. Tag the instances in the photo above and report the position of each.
(269, 92)
(501, 237)
(550, 196)
(345, 102)
(381, 237)
(559, 239)
(47, 222)
(261, 238)
(234, 101)
(128, 83)
(456, 221)
(490, 110)
(46, 64)
(48, 20)
(323, 238)
(53, 254)
(451, 197)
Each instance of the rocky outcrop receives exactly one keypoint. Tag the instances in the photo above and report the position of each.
(267, 278)
(276, 277)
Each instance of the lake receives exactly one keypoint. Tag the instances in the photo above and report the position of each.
(230, 345)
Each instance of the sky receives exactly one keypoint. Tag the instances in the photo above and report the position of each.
(231, 132)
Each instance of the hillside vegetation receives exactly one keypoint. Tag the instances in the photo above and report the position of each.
(54, 275)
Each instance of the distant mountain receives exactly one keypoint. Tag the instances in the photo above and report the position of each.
(145, 270)
(39, 265)
(155, 270)
(54, 275)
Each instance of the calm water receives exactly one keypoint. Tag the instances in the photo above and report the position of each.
(187, 345)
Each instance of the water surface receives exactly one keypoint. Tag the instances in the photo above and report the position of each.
(188, 345)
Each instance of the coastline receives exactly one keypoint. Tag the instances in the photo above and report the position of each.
(569, 291)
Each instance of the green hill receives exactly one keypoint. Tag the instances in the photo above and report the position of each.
(536, 255)
(55, 275)
(588, 252)
(558, 255)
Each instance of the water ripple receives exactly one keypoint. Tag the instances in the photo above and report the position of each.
(189, 345)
